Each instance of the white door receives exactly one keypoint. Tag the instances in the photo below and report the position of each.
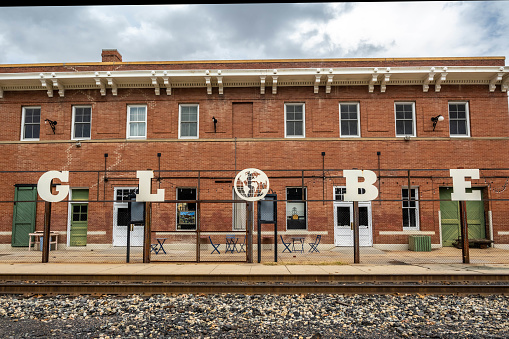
(121, 220)
(343, 224)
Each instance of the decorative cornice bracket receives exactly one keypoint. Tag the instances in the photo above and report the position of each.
(385, 80)
(100, 83)
(429, 78)
(494, 80)
(274, 83)
(373, 80)
(317, 83)
(330, 79)
(441, 78)
(262, 84)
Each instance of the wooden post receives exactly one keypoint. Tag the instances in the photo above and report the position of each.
(46, 232)
(147, 235)
(356, 250)
(464, 232)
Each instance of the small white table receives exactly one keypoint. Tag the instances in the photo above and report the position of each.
(36, 237)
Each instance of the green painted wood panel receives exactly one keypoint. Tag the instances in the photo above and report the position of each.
(79, 224)
(24, 214)
(451, 218)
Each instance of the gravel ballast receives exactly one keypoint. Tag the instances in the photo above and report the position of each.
(255, 316)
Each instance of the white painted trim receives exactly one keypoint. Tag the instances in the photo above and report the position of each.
(73, 121)
(404, 232)
(197, 121)
(358, 120)
(128, 130)
(467, 117)
(414, 125)
(22, 134)
(303, 120)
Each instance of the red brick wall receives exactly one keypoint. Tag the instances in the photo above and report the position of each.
(267, 149)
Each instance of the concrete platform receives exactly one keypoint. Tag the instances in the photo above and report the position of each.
(156, 269)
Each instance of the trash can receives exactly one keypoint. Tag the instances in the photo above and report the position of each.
(419, 243)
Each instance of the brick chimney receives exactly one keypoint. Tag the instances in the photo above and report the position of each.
(111, 55)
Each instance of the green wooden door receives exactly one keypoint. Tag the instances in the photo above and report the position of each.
(79, 218)
(23, 221)
(451, 218)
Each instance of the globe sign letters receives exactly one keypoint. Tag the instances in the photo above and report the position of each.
(251, 184)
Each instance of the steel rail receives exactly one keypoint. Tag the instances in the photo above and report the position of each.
(467, 278)
(229, 288)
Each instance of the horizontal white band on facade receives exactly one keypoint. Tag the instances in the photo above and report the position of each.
(96, 232)
(235, 78)
(503, 233)
(406, 233)
(243, 232)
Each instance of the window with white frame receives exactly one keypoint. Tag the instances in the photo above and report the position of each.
(459, 125)
(295, 125)
(81, 122)
(296, 208)
(349, 120)
(136, 122)
(30, 123)
(188, 121)
(405, 119)
(410, 208)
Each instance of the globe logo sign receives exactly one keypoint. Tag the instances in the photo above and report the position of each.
(251, 184)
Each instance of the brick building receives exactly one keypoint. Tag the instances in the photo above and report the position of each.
(197, 123)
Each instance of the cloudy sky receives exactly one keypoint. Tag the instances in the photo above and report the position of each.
(254, 31)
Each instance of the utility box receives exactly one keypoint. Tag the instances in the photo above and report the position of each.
(419, 243)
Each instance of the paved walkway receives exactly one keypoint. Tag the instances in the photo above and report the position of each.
(250, 269)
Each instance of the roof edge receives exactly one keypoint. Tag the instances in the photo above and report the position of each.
(250, 61)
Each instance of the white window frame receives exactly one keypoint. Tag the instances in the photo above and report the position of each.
(413, 118)
(23, 123)
(358, 120)
(197, 121)
(128, 129)
(73, 137)
(467, 118)
(303, 119)
(416, 208)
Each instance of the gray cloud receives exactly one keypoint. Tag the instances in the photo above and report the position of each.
(244, 31)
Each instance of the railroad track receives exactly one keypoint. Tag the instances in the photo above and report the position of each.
(41, 284)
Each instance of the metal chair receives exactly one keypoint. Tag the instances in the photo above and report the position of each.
(287, 245)
(231, 243)
(241, 245)
(314, 245)
(215, 247)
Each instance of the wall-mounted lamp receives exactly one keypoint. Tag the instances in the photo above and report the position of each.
(437, 119)
(214, 120)
(52, 124)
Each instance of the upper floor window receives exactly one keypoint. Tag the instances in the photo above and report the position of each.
(410, 208)
(81, 122)
(349, 120)
(295, 121)
(458, 119)
(405, 119)
(31, 123)
(188, 121)
(136, 122)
